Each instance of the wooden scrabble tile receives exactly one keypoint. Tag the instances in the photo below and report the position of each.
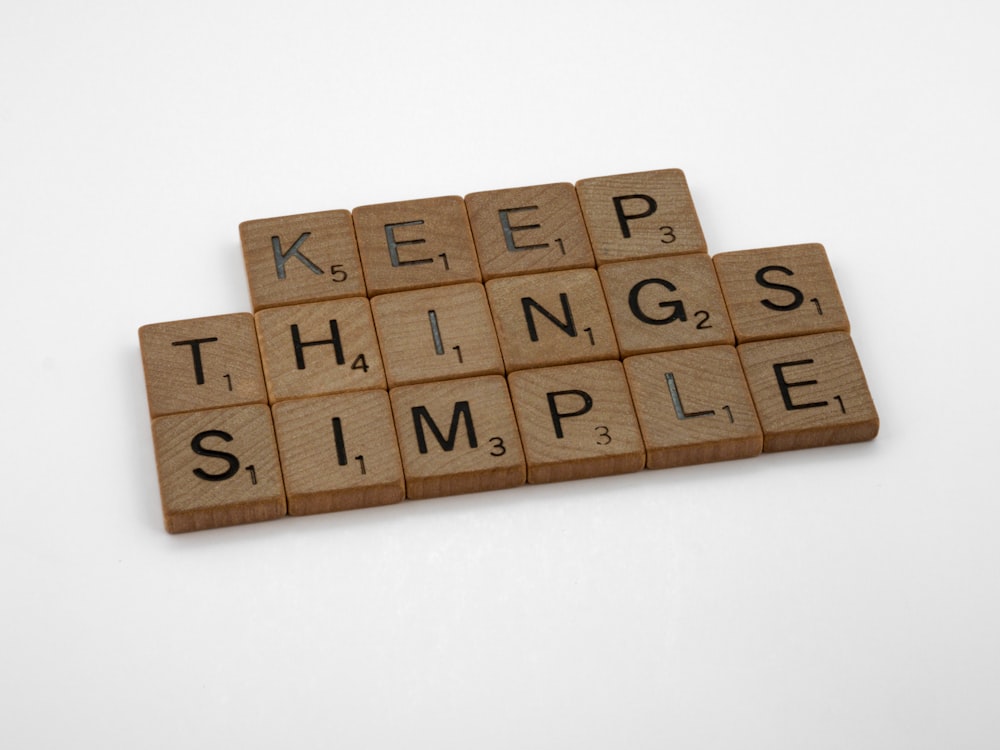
(201, 363)
(436, 334)
(319, 348)
(576, 421)
(693, 406)
(551, 318)
(809, 391)
(301, 258)
(665, 303)
(338, 452)
(640, 215)
(415, 244)
(780, 291)
(457, 436)
(218, 468)
(529, 229)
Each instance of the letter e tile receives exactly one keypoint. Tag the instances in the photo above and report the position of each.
(809, 391)
(218, 468)
(415, 244)
(528, 230)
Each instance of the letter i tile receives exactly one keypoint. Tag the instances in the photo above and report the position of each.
(457, 436)
(693, 406)
(218, 468)
(436, 334)
(576, 421)
(338, 452)
(809, 391)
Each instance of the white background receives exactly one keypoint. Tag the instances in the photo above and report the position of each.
(842, 597)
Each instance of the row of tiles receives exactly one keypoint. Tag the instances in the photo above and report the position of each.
(390, 247)
(248, 463)
(508, 324)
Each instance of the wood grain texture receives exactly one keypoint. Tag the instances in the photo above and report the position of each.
(809, 391)
(576, 421)
(693, 407)
(780, 291)
(529, 230)
(640, 215)
(437, 334)
(319, 348)
(201, 363)
(415, 244)
(301, 258)
(551, 318)
(457, 436)
(218, 468)
(660, 304)
(338, 452)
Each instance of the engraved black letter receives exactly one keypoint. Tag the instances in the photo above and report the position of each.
(508, 230)
(624, 217)
(394, 244)
(421, 415)
(281, 258)
(784, 385)
(557, 416)
(797, 296)
(195, 344)
(678, 406)
(229, 458)
(299, 345)
(678, 306)
(569, 327)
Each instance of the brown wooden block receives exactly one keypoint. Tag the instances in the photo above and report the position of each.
(640, 215)
(780, 291)
(338, 452)
(201, 363)
(528, 230)
(665, 303)
(693, 406)
(809, 391)
(436, 334)
(552, 318)
(218, 468)
(415, 244)
(301, 258)
(576, 421)
(457, 436)
(319, 348)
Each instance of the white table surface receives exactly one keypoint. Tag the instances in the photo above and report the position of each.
(841, 597)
